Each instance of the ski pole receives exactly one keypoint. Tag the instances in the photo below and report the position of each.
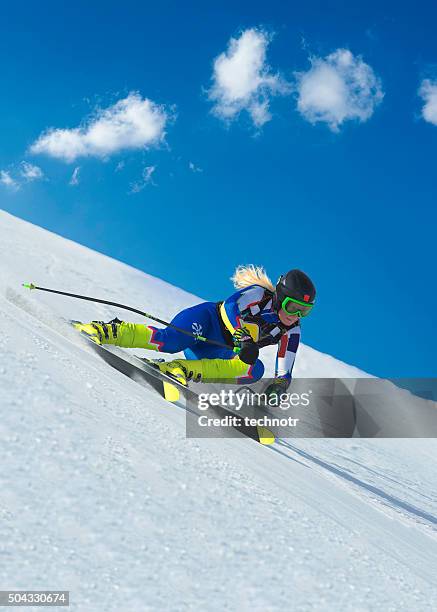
(140, 312)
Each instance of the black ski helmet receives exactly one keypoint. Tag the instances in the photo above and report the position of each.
(295, 284)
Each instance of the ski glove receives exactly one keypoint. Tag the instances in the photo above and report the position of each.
(276, 387)
(249, 350)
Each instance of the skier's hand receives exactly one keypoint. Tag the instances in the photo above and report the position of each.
(248, 349)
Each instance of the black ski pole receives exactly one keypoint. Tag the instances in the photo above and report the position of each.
(140, 312)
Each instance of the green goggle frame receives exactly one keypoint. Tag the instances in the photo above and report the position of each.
(291, 307)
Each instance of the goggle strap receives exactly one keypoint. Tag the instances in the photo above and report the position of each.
(295, 301)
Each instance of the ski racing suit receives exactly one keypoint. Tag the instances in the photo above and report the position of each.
(250, 308)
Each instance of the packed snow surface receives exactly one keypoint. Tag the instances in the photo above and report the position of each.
(103, 495)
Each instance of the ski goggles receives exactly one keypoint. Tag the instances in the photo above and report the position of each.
(295, 307)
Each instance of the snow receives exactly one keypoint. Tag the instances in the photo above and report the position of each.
(102, 494)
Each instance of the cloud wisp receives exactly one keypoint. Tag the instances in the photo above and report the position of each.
(7, 180)
(194, 168)
(132, 123)
(27, 173)
(242, 79)
(146, 179)
(428, 93)
(75, 177)
(30, 172)
(338, 88)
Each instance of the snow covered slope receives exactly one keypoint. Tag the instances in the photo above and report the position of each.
(102, 494)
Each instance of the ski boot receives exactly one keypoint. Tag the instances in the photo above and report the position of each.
(205, 370)
(119, 333)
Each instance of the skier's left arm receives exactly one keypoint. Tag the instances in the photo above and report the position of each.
(286, 356)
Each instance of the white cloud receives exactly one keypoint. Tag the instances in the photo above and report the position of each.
(119, 166)
(31, 172)
(428, 93)
(242, 79)
(146, 178)
(75, 177)
(26, 173)
(132, 123)
(7, 180)
(338, 88)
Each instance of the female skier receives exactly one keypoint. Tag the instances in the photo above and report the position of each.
(257, 315)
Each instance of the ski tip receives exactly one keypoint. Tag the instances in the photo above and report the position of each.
(266, 437)
(29, 285)
(171, 393)
(87, 331)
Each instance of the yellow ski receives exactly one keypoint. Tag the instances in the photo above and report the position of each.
(265, 435)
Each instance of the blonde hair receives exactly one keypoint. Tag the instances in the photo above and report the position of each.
(251, 275)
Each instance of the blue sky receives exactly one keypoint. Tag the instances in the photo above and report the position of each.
(337, 176)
